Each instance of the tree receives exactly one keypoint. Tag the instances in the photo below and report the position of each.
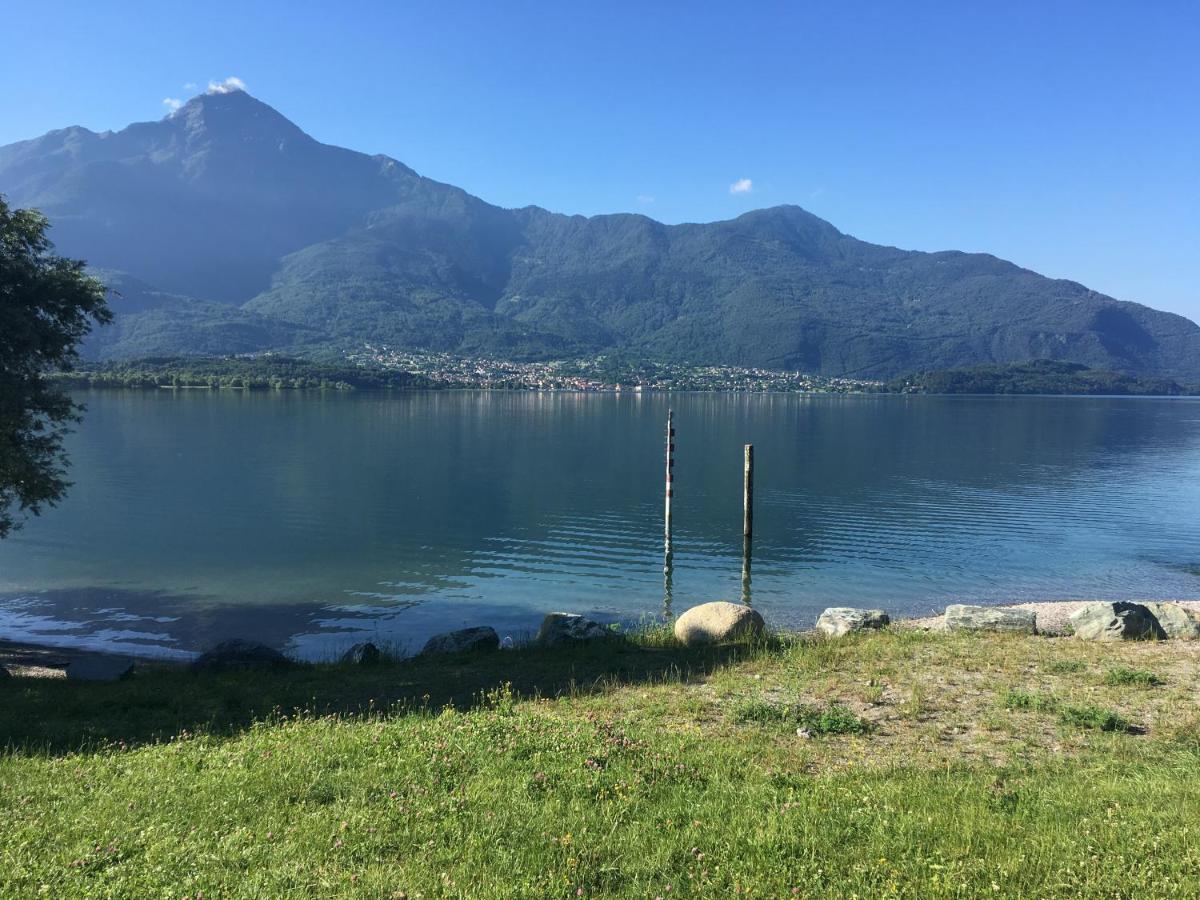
(47, 305)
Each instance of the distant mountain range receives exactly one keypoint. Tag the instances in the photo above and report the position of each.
(224, 228)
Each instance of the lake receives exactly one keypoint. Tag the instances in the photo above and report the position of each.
(311, 521)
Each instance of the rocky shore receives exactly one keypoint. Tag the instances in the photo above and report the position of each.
(707, 622)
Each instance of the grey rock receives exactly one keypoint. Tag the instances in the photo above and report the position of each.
(961, 617)
(463, 640)
(839, 620)
(1176, 621)
(1115, 622)
(711, 623)
(569, 628)
(239, 654)
(364, 654)
(99, 668)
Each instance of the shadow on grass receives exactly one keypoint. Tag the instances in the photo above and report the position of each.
(55, 716)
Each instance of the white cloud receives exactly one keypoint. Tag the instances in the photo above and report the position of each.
(228, 86)
(741, 186)
(172, 103)
(645, 199)
(190, 86)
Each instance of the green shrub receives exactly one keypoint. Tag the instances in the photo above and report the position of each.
(833, 719)
(1138, 677)
(1024, 700)
(1066, 666)
(1093, 717)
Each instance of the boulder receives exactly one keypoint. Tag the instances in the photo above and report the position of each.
(839, 620)
(960, 617)
(1115, 622)
(1176, 621)
(239, 654)
(365, 654)
(569, 628)
(4, 673)
(463, 640)
(711, 623)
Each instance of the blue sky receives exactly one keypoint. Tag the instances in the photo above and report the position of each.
(1064, 136)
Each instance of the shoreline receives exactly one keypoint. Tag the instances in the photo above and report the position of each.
(30, 659)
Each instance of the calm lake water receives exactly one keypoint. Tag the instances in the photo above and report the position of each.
(313, 521)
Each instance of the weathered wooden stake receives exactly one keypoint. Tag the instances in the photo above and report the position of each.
(748, 495)
(670, 477)
(747, 520)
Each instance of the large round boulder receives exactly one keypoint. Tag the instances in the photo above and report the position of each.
(463, 640)
(569, 628)
(839, 620)
(717, 622)
(239, 654)
(1115, 622)
(962, 617)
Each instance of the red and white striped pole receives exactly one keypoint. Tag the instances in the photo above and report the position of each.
(670, 474)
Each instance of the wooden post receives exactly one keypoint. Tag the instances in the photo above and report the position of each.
(670, 477)
(747, 520)
(748, 495)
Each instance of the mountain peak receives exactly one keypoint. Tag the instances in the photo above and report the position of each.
(234, 112)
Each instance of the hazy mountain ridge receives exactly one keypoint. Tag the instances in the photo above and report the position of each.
(253, 235)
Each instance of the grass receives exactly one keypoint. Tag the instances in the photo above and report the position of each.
(636, 769)
(1122, 675)
(1066, 666)
(833, 719)
(1079, 716)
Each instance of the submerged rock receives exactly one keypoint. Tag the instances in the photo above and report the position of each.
(569, 628)
(364, 654)
(1176, 621)
(839, 620)
(711, 623)
(239, 654)
(1115, 622)
(961, 617)
(463, 640)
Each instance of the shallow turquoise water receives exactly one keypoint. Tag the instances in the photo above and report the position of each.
(313, 521)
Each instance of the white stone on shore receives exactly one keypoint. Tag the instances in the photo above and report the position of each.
(961, 617)
(839, 620)
(711, 623)
(1176, 621)
(1115, 622)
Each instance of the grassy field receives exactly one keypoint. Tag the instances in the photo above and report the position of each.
(894, 764)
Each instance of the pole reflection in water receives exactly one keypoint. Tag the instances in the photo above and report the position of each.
(746, 569)
(668, 577)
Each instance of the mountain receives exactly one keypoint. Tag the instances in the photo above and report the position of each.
(227, 229)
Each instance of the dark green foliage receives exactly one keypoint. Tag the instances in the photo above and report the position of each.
(1034, 702)
(1122, 675)
(247, 373)
(250, 235)
(833, 719)
(1066, 666)
(1042, 376)
(1094, 717)
(47, 305)
(1078, 716)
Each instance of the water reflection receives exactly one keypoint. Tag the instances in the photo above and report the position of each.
(316, 519)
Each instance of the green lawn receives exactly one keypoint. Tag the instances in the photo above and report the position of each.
(636, 769)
